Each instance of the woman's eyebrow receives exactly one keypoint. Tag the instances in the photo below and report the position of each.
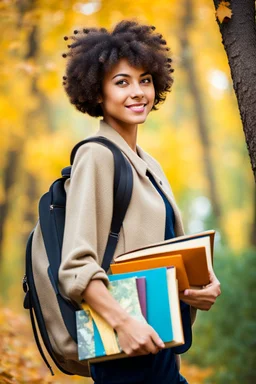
(126, 75)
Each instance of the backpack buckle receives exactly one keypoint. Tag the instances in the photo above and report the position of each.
(113, 234)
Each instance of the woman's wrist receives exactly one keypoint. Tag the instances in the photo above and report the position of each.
(116, 318)
(100, 299)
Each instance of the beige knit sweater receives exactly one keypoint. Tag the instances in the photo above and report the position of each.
(89, 211)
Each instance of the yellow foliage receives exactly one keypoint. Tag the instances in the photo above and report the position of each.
(45, 155)
(21, 362)
(235, 220)
(32, 96)
(194, 374)
(39, 123)
(175, 149)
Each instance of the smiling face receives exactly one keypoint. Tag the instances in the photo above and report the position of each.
(128, 95)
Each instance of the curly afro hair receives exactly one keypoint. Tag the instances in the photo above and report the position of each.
(94, 51)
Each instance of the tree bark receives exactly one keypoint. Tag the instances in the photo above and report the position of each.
(188, 64)
(239, 40)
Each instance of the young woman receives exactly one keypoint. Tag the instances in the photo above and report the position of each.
(121, 76)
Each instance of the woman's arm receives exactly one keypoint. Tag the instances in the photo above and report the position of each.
(203, 298)
(135, 338)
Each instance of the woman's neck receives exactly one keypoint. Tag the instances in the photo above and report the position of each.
(127, 131)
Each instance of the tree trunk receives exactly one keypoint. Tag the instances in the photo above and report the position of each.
(9, 176)
(239, 40)
(188, 64)
(30, 122)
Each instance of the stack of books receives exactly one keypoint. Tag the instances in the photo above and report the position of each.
(146, 283)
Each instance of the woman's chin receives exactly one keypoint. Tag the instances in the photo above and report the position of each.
(137, 119)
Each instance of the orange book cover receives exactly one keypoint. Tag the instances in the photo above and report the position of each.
(155, 262)
(175, 246)
(194, 260)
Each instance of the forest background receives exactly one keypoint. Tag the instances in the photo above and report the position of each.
(196, 136)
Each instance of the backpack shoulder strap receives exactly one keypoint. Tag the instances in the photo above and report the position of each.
(123, 184)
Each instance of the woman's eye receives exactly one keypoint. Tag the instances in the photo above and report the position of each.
(147, 80)
(121, 82)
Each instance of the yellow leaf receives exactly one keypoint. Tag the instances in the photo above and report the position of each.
(223, 12)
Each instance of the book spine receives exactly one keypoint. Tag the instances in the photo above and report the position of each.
(141, 288)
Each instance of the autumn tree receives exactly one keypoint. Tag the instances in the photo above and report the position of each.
(236, 21)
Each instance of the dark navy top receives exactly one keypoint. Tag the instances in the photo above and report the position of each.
(149, 369)
(169, 234)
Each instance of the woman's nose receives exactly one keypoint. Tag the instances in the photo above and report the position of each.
(137, 91)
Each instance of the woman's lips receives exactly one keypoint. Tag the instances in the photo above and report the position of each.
(137, 108)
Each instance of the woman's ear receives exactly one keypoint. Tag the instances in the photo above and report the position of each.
(99, 99)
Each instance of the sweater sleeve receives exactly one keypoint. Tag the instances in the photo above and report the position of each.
(89, 208)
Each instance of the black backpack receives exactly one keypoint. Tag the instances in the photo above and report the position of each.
(50, 312)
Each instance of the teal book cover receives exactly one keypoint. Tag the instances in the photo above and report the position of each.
(90, 343)
(158, 307)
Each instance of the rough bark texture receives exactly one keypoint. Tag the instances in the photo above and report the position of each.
(239, 40)
(188, 64)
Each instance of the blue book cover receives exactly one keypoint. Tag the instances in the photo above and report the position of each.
(158, 307)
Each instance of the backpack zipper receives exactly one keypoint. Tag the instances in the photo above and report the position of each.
(52, 206)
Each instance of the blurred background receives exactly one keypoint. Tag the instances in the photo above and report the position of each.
(196, 136)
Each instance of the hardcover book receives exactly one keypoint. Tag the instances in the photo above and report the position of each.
(97, 341)
(158, 306)
(196, 251)
(178, 336)
(141, 288)
(155, 262)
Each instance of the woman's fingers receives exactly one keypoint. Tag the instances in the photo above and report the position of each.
(203, 298)
(157, 340)
(152, 344)
(136, 338)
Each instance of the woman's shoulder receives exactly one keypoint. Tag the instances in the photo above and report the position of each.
(93, 153)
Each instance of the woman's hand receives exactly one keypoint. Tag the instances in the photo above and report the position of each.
(203, 298)
(136, 338)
